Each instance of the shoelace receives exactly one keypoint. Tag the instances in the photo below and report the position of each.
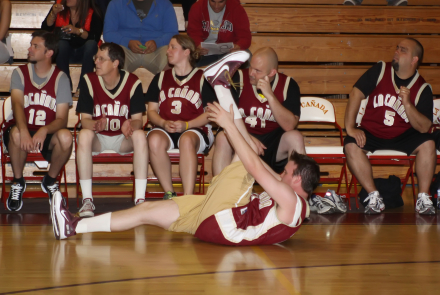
(88, 206)
(425, 200)
(53, 188)
(229, 79)
(318, 202)
(373, 199)
(16, 191)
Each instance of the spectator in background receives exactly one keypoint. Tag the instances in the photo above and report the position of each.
(5, 22)
(390, 2)
(78, 24)
(218, 21)
(143, 28)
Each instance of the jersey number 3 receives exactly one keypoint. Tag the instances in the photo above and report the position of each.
(389, 118)
(177, 104)
(40, 118)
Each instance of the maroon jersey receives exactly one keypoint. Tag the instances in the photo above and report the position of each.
(40, 104)
(253, 224)
(256, 114)
(180, 100)
(385, 116)
(116, 107)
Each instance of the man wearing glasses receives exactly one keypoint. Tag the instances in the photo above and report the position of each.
(110, 104)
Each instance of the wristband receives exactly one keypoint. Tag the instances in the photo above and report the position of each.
(186, 125)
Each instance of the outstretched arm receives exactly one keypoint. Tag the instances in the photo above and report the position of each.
(279, 191)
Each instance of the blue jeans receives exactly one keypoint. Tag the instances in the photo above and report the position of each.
(82, 55)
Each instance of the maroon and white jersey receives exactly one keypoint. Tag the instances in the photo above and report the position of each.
(180, 100)
(385, 115)
(116, 107)
(253, 224)
(40, 104)
(255, 109)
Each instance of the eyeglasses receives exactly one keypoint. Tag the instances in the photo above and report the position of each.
(100, 59)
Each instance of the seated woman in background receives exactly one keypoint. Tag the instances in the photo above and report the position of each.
(176, 101)
(5, 22)
(78, 24)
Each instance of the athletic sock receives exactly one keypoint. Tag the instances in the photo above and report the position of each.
(141, 188)
(86, 188)
(225, 98)
(99, 223)
(49, 180)
(20, 180)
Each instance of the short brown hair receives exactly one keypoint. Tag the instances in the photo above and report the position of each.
(308, 169)
(115, 52)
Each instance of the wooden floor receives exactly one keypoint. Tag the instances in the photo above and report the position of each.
(392, 253)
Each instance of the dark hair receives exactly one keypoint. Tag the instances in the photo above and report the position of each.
(419, 51)
(115, 52)
(83, 11)
(50, 41)
(308, 169)
(187, 43)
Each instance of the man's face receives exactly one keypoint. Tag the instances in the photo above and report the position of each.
(258, 69)
(104, 64)
(287, 175)
(37, 51)
(217, 5)
(403, 55)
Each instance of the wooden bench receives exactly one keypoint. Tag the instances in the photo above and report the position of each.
(343, 19)
(338, 2)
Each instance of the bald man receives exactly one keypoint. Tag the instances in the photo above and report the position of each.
(269, 103)
(398, 116)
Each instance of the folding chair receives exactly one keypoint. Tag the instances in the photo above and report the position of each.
(106, 157)
(31, 158)
(319, 110)
(174, 155)
(386, 158)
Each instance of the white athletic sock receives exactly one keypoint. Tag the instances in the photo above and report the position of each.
(86, 188)
(225, 98)
(99, 223)
(141, 187)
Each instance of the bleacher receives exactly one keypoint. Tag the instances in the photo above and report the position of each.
(324, 45)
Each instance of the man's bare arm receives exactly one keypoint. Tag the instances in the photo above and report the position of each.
(351, 112)
(279, 191)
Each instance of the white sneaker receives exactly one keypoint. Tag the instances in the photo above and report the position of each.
(334, 200)
(316, 205)
(375, 205)
(87, 208)
(221, 72)
(424, 204)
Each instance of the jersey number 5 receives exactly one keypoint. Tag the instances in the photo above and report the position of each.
(39, 119)
(389, 118)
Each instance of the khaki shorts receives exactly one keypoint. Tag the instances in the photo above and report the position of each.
(153, 62)
(231, 188)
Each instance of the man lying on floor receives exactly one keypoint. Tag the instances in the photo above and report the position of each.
(229, 213)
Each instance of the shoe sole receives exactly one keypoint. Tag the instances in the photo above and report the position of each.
(427, 212)
(55, 226)
(59, 218)
(372, 212)
(213, 71)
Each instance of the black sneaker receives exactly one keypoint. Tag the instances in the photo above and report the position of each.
(51, 190)
(15, 199)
